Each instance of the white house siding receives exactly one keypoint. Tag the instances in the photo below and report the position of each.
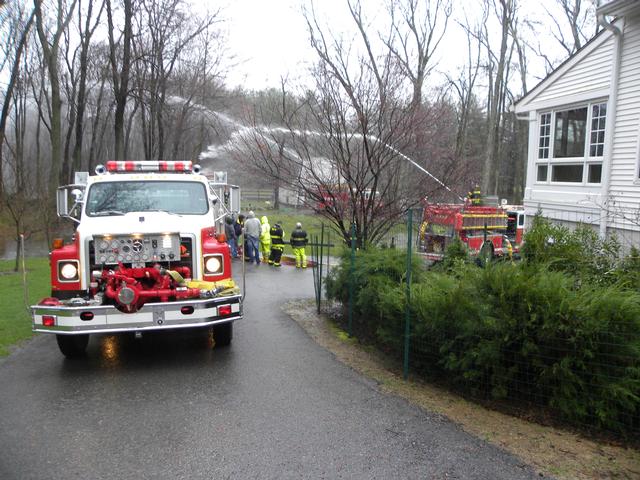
(624, 192)
(591, 73)
(580, 212)
(589, 78)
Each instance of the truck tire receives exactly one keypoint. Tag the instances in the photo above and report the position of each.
(222, 334)
(73, 346)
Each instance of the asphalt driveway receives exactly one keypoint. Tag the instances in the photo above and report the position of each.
(273, 405)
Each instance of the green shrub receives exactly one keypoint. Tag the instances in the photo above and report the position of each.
(627, 273)
(535, 331)
(580, 252)
(370, 264)
(598, 376)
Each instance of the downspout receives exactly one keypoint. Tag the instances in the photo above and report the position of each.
(611, 122)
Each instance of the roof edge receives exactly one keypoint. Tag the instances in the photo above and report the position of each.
(592, 44)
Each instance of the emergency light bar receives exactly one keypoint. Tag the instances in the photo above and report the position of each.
(151, 166)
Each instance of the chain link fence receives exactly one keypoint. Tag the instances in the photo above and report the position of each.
(546, 340)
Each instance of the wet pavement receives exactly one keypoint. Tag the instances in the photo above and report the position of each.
(272, 405)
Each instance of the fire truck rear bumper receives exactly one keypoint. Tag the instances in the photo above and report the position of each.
(75, 320)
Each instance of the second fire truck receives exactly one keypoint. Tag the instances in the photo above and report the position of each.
(488, 230)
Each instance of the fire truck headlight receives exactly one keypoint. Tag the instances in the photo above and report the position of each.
(68, 271)
(213, 264)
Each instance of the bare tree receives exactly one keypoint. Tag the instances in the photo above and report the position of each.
(19, 29)
(342, 148)
(464, 84)
(169, 30)
(86, 30)
(498, 70)
(265, 148)
(418, 29)
(18, 193)
(50, 38)
(195, 85)
(577, 16)
(120, 69)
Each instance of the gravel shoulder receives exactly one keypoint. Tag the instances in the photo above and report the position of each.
(550, 451)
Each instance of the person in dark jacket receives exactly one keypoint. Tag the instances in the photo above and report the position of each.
(277, 244)
(232, 238)
(298, 242)
(238, 226)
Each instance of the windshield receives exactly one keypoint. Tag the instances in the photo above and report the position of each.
(118, 198)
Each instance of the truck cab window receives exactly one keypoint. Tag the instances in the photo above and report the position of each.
(118, 198)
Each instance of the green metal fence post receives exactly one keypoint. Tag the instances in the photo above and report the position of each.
(407, 312)
(351, 279)
(320, 261)
(314, 267)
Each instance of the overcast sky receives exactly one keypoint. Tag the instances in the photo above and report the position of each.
(269, 37)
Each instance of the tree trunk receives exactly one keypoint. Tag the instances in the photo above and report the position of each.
(13, 77)
(120, 78)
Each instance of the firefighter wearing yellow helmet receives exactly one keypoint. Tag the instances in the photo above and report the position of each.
(475, 196)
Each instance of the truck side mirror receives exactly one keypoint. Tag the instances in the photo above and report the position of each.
(66, 208)
(78, 195)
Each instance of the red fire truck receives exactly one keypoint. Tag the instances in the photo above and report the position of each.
(486, 228)
(147, 254)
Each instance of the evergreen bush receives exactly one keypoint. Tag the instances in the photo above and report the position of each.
(539, 331)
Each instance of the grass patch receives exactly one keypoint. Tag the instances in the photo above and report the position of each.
(341, 334)
(15, 319)
(311, 222)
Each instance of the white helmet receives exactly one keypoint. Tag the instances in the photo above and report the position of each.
(298, 225)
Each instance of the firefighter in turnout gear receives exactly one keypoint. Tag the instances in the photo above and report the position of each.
(475, 196)
(277, 244)
(298, 242)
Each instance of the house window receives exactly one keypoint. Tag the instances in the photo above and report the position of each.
(595, 173)
(571, 126)
(566, 173)
(598, 116)
(545, 136)
(542, 173)
(577, 140)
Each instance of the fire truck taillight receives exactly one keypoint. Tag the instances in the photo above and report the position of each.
(68, 271)
(86, 316)
(213, 264)
(186, 310)
(224, 310)
(57, 243)
(150, 166)
(48, 321)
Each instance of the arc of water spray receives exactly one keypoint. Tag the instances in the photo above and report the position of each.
(372, 138)
(264, 129)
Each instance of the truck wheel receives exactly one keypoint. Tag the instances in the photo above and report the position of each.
(73, 346)
(222, 334)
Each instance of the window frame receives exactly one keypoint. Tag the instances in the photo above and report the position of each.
(545, 142)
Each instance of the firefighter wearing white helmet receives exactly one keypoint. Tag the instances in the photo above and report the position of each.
(298, 242)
